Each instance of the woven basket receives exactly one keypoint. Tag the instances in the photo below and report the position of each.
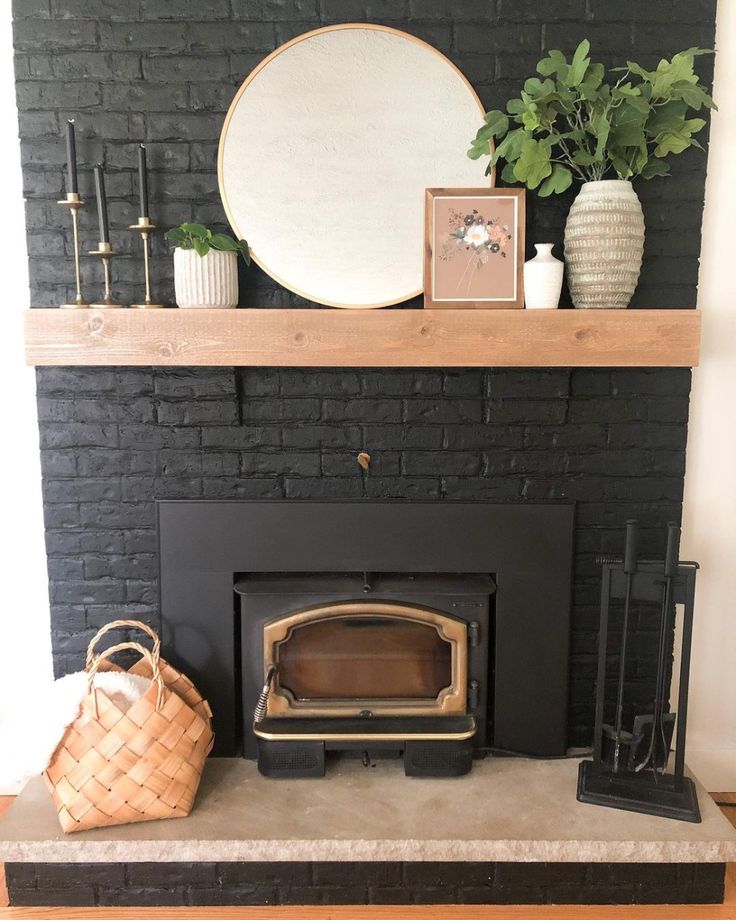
(114, 767)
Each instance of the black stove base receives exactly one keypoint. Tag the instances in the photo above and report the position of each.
(634, 793)
(438, 758)
(291, 759)
(306, 759)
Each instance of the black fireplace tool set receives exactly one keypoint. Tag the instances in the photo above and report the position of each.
(629, 769)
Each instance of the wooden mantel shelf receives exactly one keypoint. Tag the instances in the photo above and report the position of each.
(364, 338)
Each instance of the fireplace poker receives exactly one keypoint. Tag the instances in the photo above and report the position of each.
(630, 553)
(671, 564)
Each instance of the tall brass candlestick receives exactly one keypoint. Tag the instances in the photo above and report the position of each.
(74, 203)
(144, 227)
(105, 252)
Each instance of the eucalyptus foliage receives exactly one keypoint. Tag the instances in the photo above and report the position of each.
(201, 240)
(568, 123)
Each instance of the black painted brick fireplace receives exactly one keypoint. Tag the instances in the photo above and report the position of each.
(613, 440)
(112, 441)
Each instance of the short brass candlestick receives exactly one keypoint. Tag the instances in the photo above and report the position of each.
(104, 251)
(74, 203)
(145, 228)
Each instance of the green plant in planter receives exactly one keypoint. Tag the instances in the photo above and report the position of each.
(201, 240)
(568, 123)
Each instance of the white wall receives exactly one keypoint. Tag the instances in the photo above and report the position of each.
(709, 526)
(25, 646)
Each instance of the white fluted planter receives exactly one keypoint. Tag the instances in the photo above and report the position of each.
(543, 279)
(206, 281)
(604, 244)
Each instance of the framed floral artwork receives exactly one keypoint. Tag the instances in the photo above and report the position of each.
(474, 248)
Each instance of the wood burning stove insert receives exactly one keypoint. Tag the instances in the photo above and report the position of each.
(366, 662)
(437, 558)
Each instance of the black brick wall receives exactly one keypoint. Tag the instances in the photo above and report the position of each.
(242, 883)
(613, 440)
(164, 71)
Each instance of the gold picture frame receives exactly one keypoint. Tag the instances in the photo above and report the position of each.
(474, 241)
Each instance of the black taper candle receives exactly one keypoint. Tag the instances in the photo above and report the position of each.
(142, 180)
(71, 158)
(101, 203)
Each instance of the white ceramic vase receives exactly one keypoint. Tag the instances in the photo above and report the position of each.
(206, 281)
(604, 244)
(543, 279)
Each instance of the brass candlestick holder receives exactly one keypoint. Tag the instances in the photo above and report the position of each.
(74, 203)
(145, 228)
(105, 252)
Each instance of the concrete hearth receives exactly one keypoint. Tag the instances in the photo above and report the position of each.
(506, 810)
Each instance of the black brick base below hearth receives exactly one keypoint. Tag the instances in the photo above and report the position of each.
(240, 883)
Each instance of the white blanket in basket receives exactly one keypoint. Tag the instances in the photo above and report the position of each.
(33, 734)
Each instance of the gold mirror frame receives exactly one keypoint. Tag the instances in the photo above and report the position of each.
(464, 173)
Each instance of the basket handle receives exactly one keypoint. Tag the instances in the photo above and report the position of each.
(144, 653)
(122, 624)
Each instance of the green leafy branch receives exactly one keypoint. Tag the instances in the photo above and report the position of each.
(201, 240)
(568, 123)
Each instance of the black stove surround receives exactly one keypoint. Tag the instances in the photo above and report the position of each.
(205, 547)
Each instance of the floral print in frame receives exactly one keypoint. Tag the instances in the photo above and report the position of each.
(475, 248)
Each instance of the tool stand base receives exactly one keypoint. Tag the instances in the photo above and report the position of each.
(638, 792)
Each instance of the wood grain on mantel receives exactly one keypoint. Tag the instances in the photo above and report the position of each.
(364, 338)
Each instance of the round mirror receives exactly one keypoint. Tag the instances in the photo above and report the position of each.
(327, 150)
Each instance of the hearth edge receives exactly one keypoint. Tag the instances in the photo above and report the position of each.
(714, 841)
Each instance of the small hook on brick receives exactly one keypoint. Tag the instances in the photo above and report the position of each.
(364, 460)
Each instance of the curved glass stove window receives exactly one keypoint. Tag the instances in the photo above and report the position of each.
(367, 657)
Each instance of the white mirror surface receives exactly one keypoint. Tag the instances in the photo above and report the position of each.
(326, 153)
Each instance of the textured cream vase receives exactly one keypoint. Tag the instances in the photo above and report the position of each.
(604, 244)
(205, 281)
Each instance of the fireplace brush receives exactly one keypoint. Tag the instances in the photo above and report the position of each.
(629, 768)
